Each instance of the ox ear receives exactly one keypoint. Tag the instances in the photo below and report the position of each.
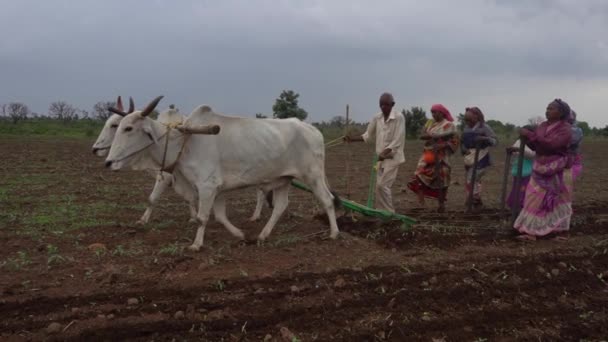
(150, 131)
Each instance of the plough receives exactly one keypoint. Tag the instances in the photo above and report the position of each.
(366, 210)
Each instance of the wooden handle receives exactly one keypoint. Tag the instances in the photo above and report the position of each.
(200, 129)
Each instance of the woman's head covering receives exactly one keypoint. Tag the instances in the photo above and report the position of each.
(441, 109)
(478, 113)
(563, 108)
(572, 117)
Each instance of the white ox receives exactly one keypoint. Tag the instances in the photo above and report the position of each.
(247, 152)
(145, 162)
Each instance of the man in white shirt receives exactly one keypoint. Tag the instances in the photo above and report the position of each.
(388, 129)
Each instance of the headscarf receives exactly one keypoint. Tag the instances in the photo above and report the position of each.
(441, 109)
(572, 117)
(563, 108)
(478, 113)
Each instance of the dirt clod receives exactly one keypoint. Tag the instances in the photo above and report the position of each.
(287, 335)
(94, 247)
(340, 282)
(54, 328)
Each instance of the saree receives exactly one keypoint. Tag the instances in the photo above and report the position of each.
(483, 161)
(526, 171)
(547, 205)
(432, 175)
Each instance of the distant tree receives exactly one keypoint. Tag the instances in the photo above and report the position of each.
(260, 116)
(585, 127)
(286, 106)
(338, 121)
(415, 119)
(496, 125)
(460, 121)
(535, 121)
(509, 129)
(61, 110)
(16, 111)
(100, 110)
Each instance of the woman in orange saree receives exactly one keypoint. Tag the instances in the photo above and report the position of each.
(432, 176)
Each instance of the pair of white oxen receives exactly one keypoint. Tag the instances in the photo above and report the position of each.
(224, 153)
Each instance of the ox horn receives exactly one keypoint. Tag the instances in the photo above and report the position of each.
(119, 103)
(131, 105)
(116, 111)
(151, 106)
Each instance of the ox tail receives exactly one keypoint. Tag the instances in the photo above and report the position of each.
(337, 200)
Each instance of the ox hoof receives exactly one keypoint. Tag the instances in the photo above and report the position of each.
(192, 220)
(194, 248)
(240, 235)
(334, 235)
(254, 218)
(141, 222)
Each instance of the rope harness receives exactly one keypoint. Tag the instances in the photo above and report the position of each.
(170, 168)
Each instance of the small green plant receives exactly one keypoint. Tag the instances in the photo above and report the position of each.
(120, 251)
(100, 252)
(88, 274)
(53, 255)
(219, 285)
(286, 240)
(22, 260)
(171, 249)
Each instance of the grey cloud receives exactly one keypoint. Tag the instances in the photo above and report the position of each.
(237, 55)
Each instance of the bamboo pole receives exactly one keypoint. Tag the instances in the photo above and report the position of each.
(505, 180)
(348, 154)
(473, 175)
(520, 165)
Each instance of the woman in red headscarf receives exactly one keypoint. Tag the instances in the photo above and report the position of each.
(432, 176)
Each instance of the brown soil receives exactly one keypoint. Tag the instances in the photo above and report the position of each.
(452, 277)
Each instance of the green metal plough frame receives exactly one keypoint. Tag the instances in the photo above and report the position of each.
(368, 209)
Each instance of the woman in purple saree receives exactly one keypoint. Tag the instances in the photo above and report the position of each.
(548, 202)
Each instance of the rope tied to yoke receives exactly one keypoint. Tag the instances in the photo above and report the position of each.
(171, 168)
(335, 142)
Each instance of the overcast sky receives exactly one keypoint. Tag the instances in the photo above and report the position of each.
(509, 57)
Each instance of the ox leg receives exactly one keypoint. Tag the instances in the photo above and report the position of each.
(159, 187)
(280, 200)
(192, 207)
(258, 206)
(188, 192)
(219, 211)
(327, 199)
(206, 197)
